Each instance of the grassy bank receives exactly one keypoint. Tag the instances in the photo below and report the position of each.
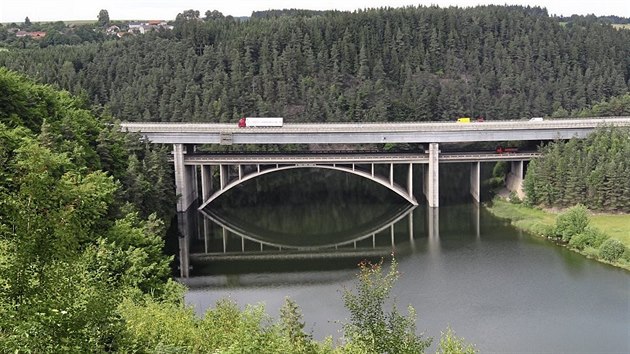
(541, 223)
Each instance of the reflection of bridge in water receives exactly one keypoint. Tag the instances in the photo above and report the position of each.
(246, 242)
(265, 237)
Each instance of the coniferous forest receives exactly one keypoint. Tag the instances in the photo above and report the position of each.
(594, 172)
(405, 64)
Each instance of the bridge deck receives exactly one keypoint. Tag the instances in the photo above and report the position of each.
(356, 133)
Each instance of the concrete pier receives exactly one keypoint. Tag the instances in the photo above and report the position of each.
(475, 180)
(514, 180)
(185, 179)
(432, 177)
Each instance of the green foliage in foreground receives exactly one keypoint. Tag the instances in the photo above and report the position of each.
(370, 328)
(158, 326)
(168, 326)
(451, 344)
(65, 263)
(71, 247)
(165, 326)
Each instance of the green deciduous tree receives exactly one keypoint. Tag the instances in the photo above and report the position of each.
(451, 344)
(69, 251)
(370, 326)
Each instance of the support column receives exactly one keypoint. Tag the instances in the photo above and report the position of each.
(223, 175)
(183, 179)
(391, 174)
(425, 180)
(192, 174)
(206, 182)
(517, 169)
(410, 180)
(432, 177)
(514, 182)
(475, 176)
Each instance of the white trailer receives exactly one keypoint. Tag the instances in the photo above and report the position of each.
(261, 122)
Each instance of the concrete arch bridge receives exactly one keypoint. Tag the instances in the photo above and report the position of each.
(220, 173)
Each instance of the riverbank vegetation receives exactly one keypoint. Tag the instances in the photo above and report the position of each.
(593, 235)
(589, 176)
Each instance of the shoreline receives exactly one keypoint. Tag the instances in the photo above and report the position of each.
(538, 223)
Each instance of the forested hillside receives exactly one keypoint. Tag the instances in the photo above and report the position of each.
(74, 235)
(594, 172)
(407, 64)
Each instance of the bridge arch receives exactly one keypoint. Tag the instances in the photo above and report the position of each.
(390, 184)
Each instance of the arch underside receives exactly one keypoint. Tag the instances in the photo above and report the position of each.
(393, 186)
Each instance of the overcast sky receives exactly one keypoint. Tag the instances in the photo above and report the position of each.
(52, 10)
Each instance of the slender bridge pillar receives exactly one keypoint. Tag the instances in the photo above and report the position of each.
(475, 176)
(185, 179)
(206, 182)
(432, 177)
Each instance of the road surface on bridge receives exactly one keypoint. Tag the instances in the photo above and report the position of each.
(353, 133)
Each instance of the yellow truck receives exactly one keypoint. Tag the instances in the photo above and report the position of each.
(463, 120)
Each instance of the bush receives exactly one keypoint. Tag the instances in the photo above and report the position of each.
(494, 183)
(581, 240)
(571, 222)
(611, 250)
(589, 237)
(514, 199)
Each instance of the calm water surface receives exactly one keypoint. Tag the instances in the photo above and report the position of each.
(461, 267)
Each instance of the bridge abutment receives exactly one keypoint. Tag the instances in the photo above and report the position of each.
(514, 180)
